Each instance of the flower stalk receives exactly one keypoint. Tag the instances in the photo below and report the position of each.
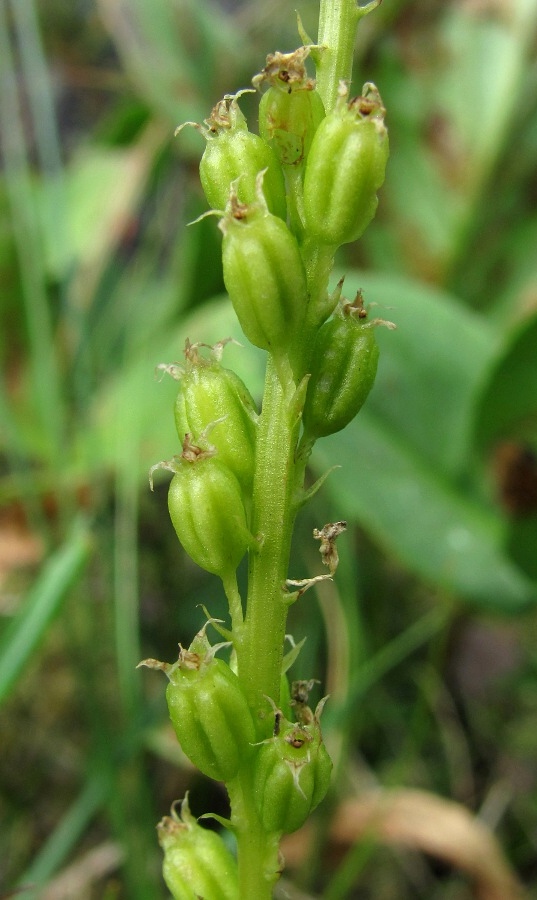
(239, 480)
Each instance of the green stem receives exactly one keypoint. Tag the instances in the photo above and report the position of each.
(338, 21)
(257, 851)
(259, 642)
(278, 475)
(318, 260)
(260, 649)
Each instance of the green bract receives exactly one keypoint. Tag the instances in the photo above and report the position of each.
(209, 712)
(263, 273)
(343, 369)
(207, 511)
(209, 393)
(196, 861)
(292, 776)
(233, 152)
(345, 168)
(291, 109)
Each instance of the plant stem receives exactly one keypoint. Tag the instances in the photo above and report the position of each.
(338, 21)
(260, 637)
(257, 852)
(260, 649)
(259, 643)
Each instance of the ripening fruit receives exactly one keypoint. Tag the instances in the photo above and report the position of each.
(345, 168)
(207, 512)
(264, 275)
(343, 370)
(196, 861)
(232, 152)
(290, 110)
(210, 715)
(292, 776)
(209, 393)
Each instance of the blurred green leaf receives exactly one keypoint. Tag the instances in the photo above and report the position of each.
(103, 187)
(508, 405)
(418, 515)
(176, 52)
(404, 454)
(459, 94)
(431, 368)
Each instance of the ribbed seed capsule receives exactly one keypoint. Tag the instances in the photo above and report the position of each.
(291, 109)
(207, 511)
(263, 273)
(292, 776)
(345, 168)
(209, 393)
(343, 370)
(232, 152)
(209, 712)
(196, 861)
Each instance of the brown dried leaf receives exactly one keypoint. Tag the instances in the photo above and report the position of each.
(422, 821)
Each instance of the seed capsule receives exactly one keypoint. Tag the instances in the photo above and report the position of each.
(290, 110)
(263, 273)
(208, 393)
(210, 714)
(344, 366)
(292, 775)
(208, 709)
(207, 511)
(232, 152)
(345, 168)
(196, 861)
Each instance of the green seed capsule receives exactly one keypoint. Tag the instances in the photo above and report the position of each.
(196, 861)
(208, 393)
(264, 274)
(233, 152)
(344, 366)
(345, 168)
(291, 109)
(209, 711)
(292, 776)
(207, 511)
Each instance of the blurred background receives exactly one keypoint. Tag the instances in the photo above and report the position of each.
(426, 640)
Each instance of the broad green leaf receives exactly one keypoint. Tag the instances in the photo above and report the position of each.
(508, 405)
(405, 454)
(416, 513)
